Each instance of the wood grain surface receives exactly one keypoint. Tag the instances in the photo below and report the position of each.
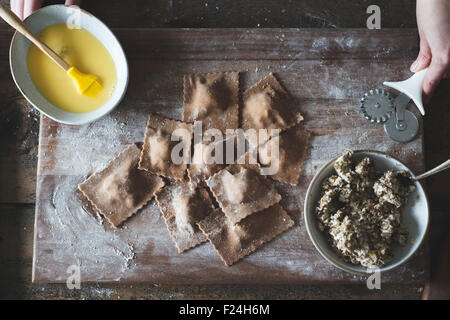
(19, 128)
(326, 71)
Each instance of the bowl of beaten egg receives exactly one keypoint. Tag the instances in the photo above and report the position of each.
(84, 42)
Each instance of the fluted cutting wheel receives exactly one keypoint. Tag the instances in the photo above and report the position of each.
(404, 131)
(376, 105)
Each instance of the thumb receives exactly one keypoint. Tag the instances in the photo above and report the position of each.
(423, 59)
(30, 7)
(72, 2)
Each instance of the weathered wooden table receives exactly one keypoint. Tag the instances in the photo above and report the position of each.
(325, 70)
(19, 129)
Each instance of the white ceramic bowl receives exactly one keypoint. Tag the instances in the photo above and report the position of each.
(415, 215)
(18, 61)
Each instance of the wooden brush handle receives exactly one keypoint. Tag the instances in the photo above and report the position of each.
(17, 24)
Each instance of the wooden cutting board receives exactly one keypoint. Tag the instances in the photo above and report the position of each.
(326, 71)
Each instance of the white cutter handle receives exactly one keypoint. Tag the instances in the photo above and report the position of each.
(412, 87)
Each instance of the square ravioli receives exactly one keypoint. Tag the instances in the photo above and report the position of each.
(121, 189)
(212, 156)
(182, 206)
(204, 162)
(292, 147)
(240, 191)
(235, 241)
(213, 99)
(266, 105)
(162, 135)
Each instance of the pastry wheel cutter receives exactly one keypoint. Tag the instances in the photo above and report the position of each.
(399, 124)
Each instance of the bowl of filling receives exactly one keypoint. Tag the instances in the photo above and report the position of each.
(364, 212)
(84, 42)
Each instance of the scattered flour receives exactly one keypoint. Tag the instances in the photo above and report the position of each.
(69, 235)
(128, 257)
(89, 148)
(81, 239)
(319, 43)
(102, 293)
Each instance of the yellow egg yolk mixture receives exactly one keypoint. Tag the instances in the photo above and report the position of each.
(80, 49)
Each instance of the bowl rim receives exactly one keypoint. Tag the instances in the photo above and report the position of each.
(90, 119)
(343, 266)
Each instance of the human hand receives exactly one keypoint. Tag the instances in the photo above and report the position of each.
(23, 8)
(433, 21)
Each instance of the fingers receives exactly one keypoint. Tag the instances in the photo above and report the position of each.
(73, 2)
(31, 6)
(17, 7)
(435, 73)
(423, 59)
(24, 8)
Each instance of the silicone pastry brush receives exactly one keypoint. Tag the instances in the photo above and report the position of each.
(87, 84)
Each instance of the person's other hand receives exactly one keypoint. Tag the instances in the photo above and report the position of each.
(433, 21)
(23, 8)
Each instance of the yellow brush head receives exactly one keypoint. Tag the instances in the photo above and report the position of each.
(87, 84)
